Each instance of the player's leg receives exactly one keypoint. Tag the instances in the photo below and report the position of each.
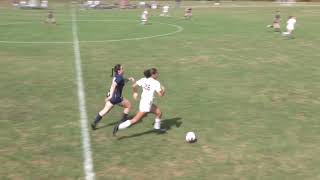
(128, 123)
(144, 108)
(107, 107)
(126, 109)
(53, 21)
(290, 33)
(156, 110)
(276, 27)
(132, 121)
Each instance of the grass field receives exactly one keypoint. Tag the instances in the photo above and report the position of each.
(251, 95)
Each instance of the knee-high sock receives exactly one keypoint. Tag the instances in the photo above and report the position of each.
(97, 119)
(157, 124)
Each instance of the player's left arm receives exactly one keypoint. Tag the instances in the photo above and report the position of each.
(135, 91)
(160, 90)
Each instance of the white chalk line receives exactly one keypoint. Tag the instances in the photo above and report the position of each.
(178, 29)
(87, 154)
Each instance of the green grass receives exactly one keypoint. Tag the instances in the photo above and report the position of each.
(249, 94)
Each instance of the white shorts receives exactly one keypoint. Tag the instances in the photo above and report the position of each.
(145, 105)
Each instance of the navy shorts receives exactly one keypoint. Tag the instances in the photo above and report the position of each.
(116, 100)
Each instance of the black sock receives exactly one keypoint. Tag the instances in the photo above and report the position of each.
(124, 117)
(98, 118)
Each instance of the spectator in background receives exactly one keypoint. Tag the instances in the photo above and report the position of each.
(178, 2)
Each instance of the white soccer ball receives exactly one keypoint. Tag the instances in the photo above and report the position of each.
(191, 137)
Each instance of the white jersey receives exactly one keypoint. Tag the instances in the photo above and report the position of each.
(290, 23)
(144, 15)
(165, 9)
(149, 87)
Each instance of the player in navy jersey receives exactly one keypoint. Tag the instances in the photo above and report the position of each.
(114, 96)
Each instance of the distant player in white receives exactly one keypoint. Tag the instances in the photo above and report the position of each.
(165, 11)
(144, 17)
(150, 85)
(188, 13)
(290, 26)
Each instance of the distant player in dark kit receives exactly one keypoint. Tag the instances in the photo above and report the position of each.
(114, 96)
(188, 13)
(50, 19)
(276, 22)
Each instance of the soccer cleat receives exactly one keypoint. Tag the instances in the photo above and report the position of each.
(93, 126)
(115, 129)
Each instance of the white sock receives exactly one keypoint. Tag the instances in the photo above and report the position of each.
(125, 124)
(157, 124)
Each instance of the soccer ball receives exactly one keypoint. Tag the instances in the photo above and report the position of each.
(191, 137)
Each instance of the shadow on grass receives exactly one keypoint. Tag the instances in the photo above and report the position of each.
(166, 124)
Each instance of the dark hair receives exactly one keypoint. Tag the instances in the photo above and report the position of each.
(153, 71)
(115, 69)
(147, 73)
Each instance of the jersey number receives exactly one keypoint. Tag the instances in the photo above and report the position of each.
(146, 87)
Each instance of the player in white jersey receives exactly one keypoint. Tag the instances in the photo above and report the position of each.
(165, 11)
(290, 26)
(150, 85)
(144, 17)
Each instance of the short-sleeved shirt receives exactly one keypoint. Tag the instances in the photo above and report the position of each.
(144, 15)
(149, 87)
(290, 23)
(120, 84)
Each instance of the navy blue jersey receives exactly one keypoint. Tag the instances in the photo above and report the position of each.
(120, 84)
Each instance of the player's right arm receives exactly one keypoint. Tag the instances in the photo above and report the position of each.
(135, 91)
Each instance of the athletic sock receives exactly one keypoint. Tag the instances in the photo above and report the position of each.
(125, 124)
(157, 124)
(124, 117)
(97, 119)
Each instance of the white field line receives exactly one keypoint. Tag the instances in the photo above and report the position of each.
(87, 154)
(178, 29)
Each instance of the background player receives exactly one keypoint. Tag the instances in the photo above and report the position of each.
(290, 26)
(50, 19)
(276, 22)
(188, 13)
(144, 17)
